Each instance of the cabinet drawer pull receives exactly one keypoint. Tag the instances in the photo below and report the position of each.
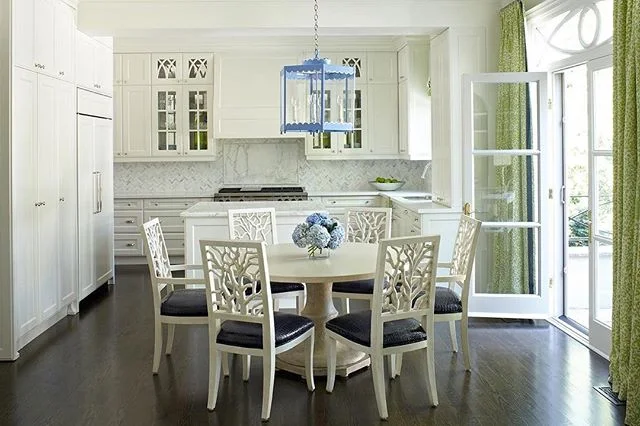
(61, 73)
(413, 231)
(62, 199)
(129, 204)
(129, 221)
(416, 219)
(406, 212)
(131, 244)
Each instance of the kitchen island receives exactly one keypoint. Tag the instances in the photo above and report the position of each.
(209, 221)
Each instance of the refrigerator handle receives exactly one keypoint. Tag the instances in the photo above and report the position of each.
(96, 207)
(99, 192)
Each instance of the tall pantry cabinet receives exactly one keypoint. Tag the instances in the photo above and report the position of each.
(38, 161)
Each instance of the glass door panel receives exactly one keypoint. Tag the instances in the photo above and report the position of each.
(353, 141)
(505, 133)
(166, 121)
(167, 68)
(198, 68)
(198, 113)
(600, 85)
(321, 142)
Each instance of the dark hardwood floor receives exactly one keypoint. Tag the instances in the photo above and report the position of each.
(95, 369)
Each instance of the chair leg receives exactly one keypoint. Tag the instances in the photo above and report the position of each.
(345, 305)
(157, 347)
(268, 376)
(398, 364)
(392, 366)
(171, 331)
(225, 364)
(377, 366)
(299, 304)
(214, 377)
(308, 361)
(246, 367)
(276, 305)
(464, 331)
(330, 344)
(431, 375)
(452, 334)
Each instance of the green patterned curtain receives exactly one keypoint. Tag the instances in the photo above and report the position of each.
(513, 266)
(625, 351)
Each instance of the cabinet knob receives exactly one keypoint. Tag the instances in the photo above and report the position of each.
(185, 153)
(124, 153)
(131, 244)
(118, 154)
(44, 67)
(406, 212)
(402, 150)
(340, 151)
(125, 81)
(129, 204)
(333, 150)
(413, 231)
(62, 199)
(61, 73)
(371, 150)
(129, 221)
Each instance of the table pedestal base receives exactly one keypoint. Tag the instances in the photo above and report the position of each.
(319, 308)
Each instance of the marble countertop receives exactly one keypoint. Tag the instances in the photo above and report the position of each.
(388, 194)
(289, 208)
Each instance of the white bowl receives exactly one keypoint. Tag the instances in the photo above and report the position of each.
(387, 186)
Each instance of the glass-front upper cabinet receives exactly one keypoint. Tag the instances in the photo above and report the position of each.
(354, 142)
(190, 68)
(198, 137)
(197, 68)
(166, 121)
(320, 143)
(166, 68)
(181, 120)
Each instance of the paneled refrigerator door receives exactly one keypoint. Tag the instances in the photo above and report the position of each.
(103, 219)
(87, 204)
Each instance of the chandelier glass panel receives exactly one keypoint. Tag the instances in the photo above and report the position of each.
(317, 96)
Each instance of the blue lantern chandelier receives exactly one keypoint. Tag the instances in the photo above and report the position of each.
(317, 96)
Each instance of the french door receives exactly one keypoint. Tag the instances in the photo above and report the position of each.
(587, 135)
(505, 186)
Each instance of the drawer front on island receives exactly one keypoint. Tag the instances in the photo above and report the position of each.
(127, 204)
(179, 204)
(170, 221)
(128, 245)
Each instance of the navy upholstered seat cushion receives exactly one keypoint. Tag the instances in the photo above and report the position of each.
(185, 303)
(357, 328)
(277, 287)
(358, 286)
(447, 301)
(249, 335)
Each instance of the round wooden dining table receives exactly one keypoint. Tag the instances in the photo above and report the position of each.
(351, 261)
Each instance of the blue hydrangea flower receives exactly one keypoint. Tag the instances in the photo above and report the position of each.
(318, 236)
(337, 236)
(299, 235)
(316, 218)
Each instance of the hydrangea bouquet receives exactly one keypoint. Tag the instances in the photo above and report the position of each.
(318, 232)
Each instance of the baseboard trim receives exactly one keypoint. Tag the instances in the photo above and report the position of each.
(30, 335)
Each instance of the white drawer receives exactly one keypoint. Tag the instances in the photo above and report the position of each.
(172, 203)
(127, 204)
(127, 221)
(372, 201)
(170, 221)
(128, 245)
(175, 244)
(414, 231)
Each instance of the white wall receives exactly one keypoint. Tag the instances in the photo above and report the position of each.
(6, 317)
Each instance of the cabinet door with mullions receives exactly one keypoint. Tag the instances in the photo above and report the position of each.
(198, 108)
(198, 68)
(167, 104)
(166, 68)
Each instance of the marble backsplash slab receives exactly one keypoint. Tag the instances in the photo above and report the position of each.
(263, 161)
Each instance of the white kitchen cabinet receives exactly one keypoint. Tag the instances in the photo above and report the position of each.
(383, 128)
(44, 52)
(43, 253)
(454, 52)
(180, 121)
(189, 68)
(94, 64)
(382, 67)
(64, 38)
(132, 68)
(43, 37)
(67, 193)
(132, 121)
(247, 103)
(25, 202)
(414, 105)
(95, 191)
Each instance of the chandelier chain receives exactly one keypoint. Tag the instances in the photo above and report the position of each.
(315, 27)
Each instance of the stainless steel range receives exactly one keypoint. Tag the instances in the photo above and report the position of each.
(257, 193)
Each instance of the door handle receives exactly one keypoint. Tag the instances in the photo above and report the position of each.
(100, 191)
(466, 209)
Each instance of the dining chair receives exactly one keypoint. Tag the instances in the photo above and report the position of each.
(241, 317)
(363, 225)
(401, 315)
(259, 224)
(451, 305)
(179, 306)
